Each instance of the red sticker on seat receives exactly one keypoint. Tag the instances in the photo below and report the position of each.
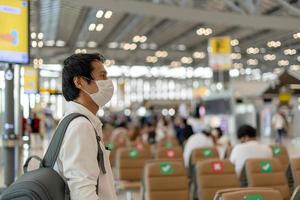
(217, 167)
(140, 146)
(170, 153)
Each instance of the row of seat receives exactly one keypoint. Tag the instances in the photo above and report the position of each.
(167, 180)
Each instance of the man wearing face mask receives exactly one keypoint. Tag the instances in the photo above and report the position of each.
(86, 88)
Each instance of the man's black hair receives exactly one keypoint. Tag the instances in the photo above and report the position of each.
(77, 65)
(246, 130)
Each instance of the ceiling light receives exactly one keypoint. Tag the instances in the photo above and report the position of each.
(33, 35)
(92, 44)
(175, 64)
(204, 31)
(298, 58)
(199, 55)
(234, 42)
(136, 39)
(40, 36)
(252, 50)
(161, 54)
(83, 51)
(109, 63)
(34, 44)
(108, 14)
(186, 60)
(40, 61)
(151, 59)
(92, 27)
(99, 27)
(35, 61)
(77, 51)
(274, 44)
(236, 56)
(268, 57)
(283, 62)
(181, 47)
(50, 43)
(99, 14)
(60, 43)
(252, 62)
(143, 39)
(113, 45)
(126, 46)
(290, 52)
(133, 46)
(296, 35)
(238, 65)
(40, 44)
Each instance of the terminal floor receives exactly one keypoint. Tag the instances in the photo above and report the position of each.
(293, 146)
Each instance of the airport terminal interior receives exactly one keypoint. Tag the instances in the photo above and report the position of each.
(196, 99)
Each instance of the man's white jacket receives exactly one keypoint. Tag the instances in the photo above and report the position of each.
(77, 161)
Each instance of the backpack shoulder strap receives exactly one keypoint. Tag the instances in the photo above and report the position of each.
(56, 142)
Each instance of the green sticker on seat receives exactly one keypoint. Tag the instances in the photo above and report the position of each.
(133, 153)
(265, 167)
(110, 146)
(253, 197)
(166, 168)
(276, 151)
(168, 145)
(207, 153)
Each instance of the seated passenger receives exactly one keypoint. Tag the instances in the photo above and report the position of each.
(250, 148)
(199, 140)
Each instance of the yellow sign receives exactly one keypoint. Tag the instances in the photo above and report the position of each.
(30, 80)
(220, 45)
(285, 97)
(14, 26)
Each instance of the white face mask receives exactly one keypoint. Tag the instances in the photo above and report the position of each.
(104, 93)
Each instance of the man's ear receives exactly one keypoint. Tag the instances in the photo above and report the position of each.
(77, 82)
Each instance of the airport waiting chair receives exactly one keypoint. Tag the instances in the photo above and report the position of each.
(200, 154)
(169, 153)
(265, 173)
(280, 152)
(165, 179)
(248, 194)
(168, 142)
(129, 167)
(211, 176)
(293, 173)
(296, 194)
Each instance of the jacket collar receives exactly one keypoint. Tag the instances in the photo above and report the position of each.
(73, 107)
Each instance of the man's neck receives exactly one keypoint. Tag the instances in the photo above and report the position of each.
(89, 104)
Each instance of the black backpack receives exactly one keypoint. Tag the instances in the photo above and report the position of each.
(45, 183)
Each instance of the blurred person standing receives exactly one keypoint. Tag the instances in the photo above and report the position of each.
(187, 130)
(279, 125)
(86, 88)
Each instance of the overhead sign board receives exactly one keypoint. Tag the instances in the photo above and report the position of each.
(14, 31)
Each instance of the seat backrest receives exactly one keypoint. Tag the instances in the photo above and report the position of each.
(130, 163)
(251, 194)
(295, 171)
(169, 153)
(213, 175)
(267, 173)
(280, 152)
(165, 179)
(200, 154)
(168, 142)
(296, 194)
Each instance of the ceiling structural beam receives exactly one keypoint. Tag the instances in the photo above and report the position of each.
(234, 7)
(194, 15)
(78, 27)
(288, 7)
(179, 36)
